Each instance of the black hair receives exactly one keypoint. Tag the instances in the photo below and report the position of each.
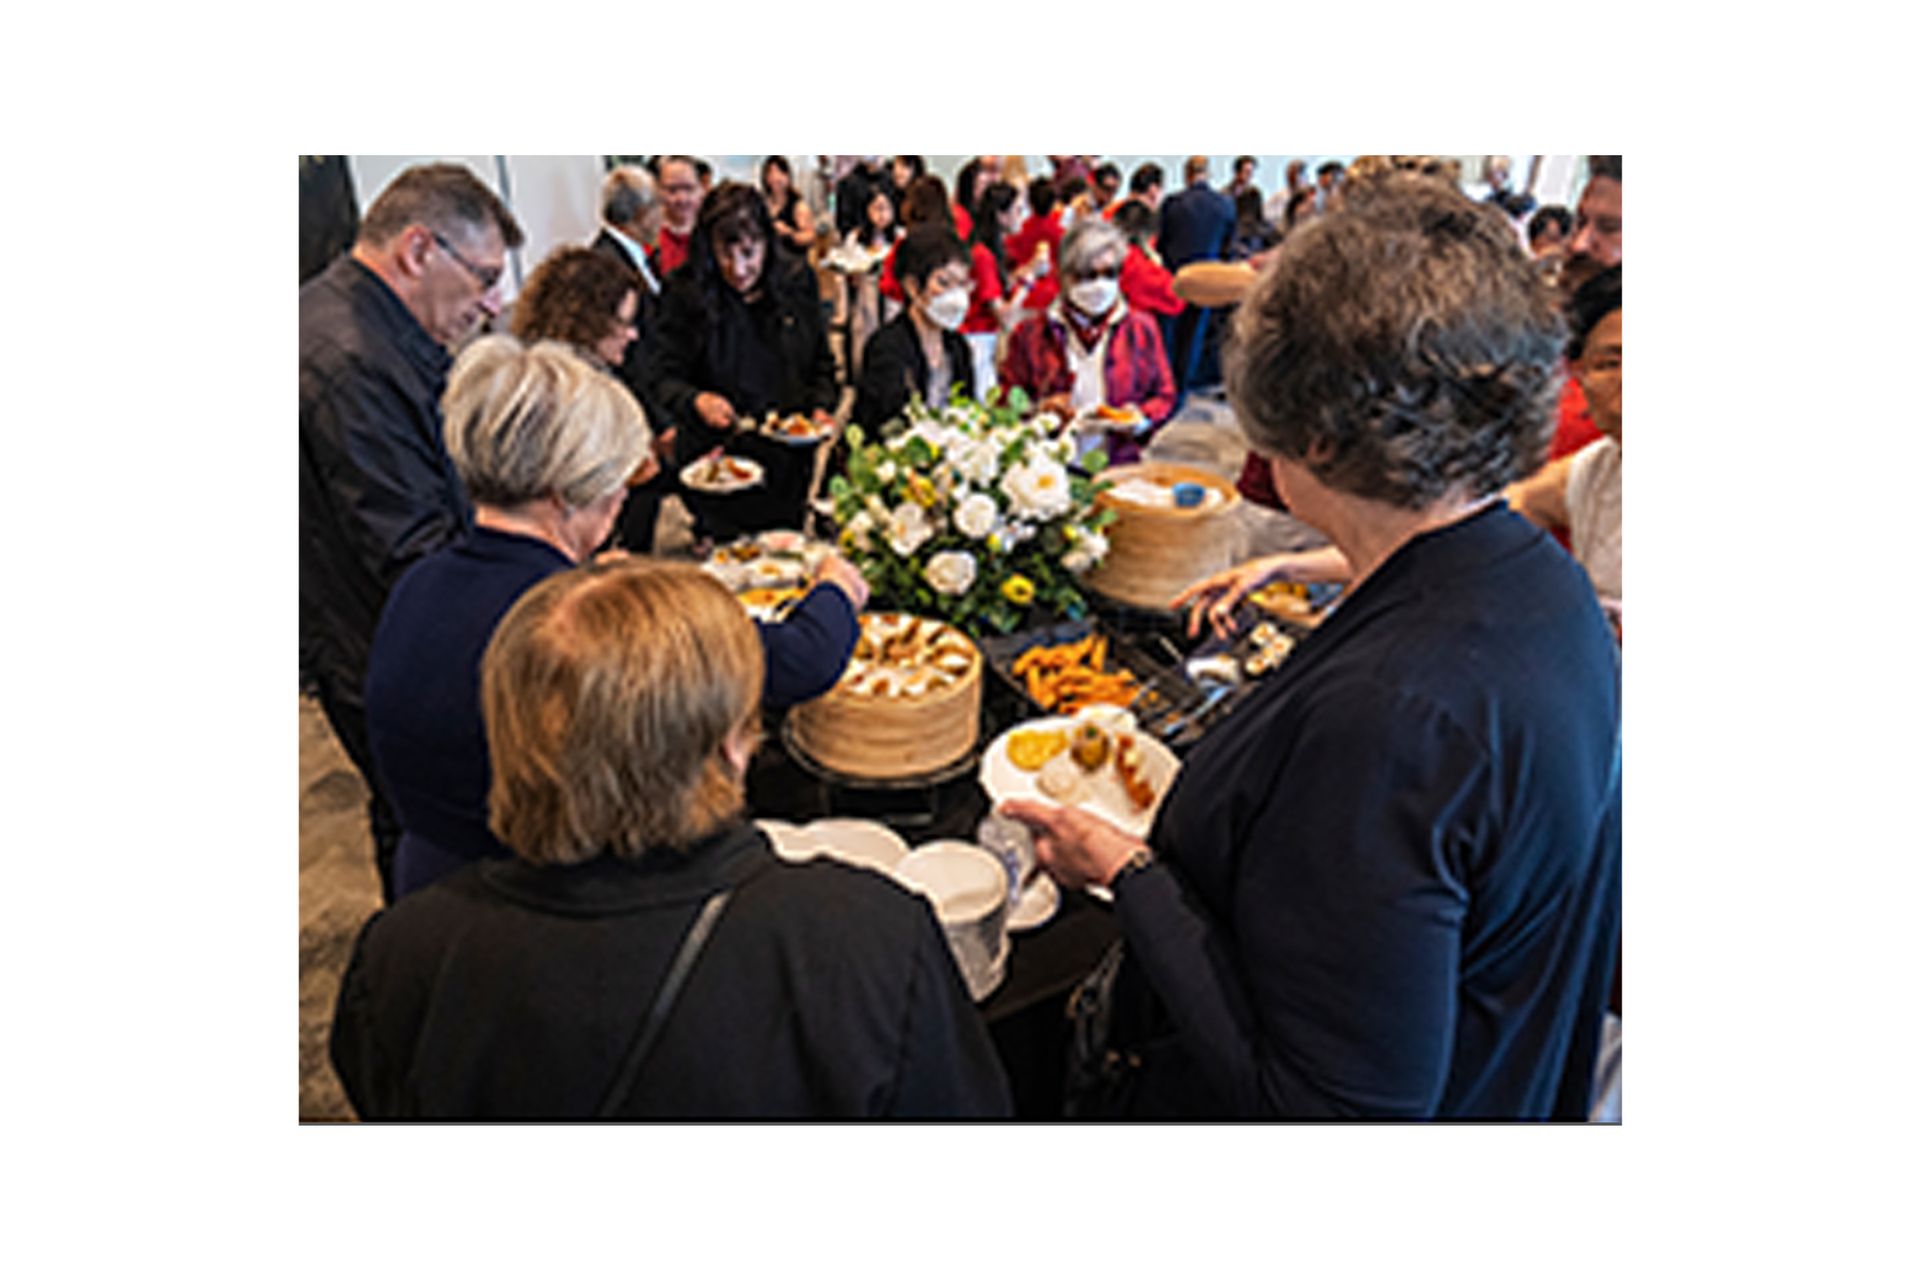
(702, 170)
(1145, 178)
(963, 184)
(1330, 166)
(776, 162)
(1604, 167)
(1108, 172)
(1402, 348)
(1554, 214)
(1042, 195)
(1135, 221)
(1240, 160)
(864, 232)
(1246, 207)
(994, 201)
(916, 166)
(925, 201)
(1305, 195)
(1072, 188)
(925, 250)
(732, 211)
(1591, 303)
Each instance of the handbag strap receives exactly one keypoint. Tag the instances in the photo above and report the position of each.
(656, 1020)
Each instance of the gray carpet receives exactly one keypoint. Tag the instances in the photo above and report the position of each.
(338, 891)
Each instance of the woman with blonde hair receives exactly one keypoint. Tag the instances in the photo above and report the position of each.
(544, 443)
(646, 954)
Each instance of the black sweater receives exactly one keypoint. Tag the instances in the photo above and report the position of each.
(1389, 885)
(893, 370)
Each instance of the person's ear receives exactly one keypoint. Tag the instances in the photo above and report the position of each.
(411, 252)
(738, 749)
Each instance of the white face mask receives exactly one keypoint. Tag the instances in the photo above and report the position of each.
(1094, 297)
(948, 309)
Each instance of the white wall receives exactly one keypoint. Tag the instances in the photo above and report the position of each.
(555, 199)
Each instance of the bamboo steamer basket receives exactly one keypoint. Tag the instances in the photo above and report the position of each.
(1155, 553)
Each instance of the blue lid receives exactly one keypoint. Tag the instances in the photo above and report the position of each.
(1188, 494)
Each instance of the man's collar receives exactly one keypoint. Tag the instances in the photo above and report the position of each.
(635, 251)
(411, 335)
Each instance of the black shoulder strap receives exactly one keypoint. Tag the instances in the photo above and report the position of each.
(656, 1020)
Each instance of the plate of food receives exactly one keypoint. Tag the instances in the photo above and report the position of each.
(1097, 761)
(770, 604)
(794, 428)
(1109, 417)
(722, 473)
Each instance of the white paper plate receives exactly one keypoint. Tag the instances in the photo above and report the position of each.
(857, 841)
(1003, 780)
(758, 474)
(1036, 906)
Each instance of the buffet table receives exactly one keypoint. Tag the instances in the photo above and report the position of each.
(1026, 1012)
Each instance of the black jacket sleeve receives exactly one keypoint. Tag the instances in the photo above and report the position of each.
(889, 377)
(371, 1082)
(386, 468)
(676, 355)
(821, 377)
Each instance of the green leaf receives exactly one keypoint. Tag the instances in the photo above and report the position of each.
(855, 436)
(1095, 461)
(839, 488)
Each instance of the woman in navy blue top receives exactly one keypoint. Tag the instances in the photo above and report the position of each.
(1389, 884)
(544, 444)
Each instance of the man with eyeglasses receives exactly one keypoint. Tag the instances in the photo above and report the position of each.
(377, 490)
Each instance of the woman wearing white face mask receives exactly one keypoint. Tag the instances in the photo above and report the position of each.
(920, 352)
(1088, 349)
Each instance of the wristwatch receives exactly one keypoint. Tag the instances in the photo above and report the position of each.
(1137, 861)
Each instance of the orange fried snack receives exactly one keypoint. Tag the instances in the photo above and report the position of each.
(1029, 749)
(1067, 677)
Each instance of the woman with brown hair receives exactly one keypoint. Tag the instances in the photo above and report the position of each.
(646, 954)
(595, 303)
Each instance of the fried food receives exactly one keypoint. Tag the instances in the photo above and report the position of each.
(1130, 767)
(1067, 677)
(1029, 749)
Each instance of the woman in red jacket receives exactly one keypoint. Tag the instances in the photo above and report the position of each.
(1089, 348)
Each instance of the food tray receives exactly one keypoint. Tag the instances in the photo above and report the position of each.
(1171, 692)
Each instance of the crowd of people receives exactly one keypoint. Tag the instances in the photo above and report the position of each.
(555, 726)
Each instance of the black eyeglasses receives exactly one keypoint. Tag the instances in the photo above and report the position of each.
(486, 278)
(1100, 273)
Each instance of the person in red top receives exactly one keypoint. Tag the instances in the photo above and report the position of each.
(1041, 227)
(1089, 349)
(680, 198)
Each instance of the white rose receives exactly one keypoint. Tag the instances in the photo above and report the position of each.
(1088, 550)
(886, 471)
(975, 516)
(978, 461)
(1037, 489)
(951, 572)
(1046, 423)
(859, 529)
(907, 529)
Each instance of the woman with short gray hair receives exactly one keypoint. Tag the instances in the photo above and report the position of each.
(1388, 884)
(1088, 350)
(544, 443)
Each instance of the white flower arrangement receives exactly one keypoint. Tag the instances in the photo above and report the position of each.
(970, 512)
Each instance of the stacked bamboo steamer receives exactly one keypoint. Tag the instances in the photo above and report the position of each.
(1155, 553)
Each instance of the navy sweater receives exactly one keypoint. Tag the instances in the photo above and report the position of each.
(423, 687)
(1389, 884)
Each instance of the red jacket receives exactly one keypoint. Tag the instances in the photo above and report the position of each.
(1137, 371)
(1145, 284)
